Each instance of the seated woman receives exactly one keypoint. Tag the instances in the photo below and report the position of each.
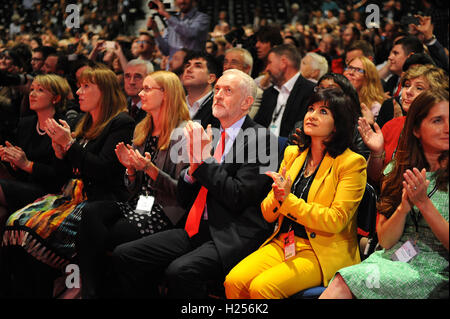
(152, 176)
(314, 199)
(88, 157)
(392, 107)
(335, 80)
(28, 173)
(363, 74)
(413, 214)
(383, 142)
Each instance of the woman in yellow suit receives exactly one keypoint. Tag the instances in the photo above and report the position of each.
(314, 199)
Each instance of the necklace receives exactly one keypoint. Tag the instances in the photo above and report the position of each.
(38, 130)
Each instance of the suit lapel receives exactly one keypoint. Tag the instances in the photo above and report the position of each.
(324, 167)
(297, 165)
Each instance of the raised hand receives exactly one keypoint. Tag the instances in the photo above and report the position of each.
(374, 140)
(416, 185)
(123, 153)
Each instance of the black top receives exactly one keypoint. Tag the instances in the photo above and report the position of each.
(300, 188)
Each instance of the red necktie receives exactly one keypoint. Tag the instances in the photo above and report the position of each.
(399, 88)
(196, 212)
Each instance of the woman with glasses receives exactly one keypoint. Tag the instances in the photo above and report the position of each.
(153, 164)
(413, 224)
(363, 74)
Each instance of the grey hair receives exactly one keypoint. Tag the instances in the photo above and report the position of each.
(246, 83)
(248, 59)
(147, 64)
(319, 63)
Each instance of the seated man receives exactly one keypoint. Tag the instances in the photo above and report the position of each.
(224, 223)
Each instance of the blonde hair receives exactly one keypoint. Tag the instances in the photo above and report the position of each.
(174, 110)
(58, 86)
(112, 101)
(435, 76)
(372, 90)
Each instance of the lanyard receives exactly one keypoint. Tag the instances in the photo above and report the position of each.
(415, 216)
(277, 113)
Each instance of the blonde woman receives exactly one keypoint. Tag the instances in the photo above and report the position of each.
(362, 73)
(153, 166)
(26, 172)
(46, 229)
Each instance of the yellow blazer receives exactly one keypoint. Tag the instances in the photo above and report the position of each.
(329, 214)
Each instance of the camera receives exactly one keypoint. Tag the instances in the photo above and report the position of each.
(168, 5)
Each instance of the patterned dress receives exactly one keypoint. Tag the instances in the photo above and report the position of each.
(147, 222)
(425, 276)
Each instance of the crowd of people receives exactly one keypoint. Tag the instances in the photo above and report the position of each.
(196, 158)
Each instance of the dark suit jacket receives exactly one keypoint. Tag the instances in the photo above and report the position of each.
(204, 114)
(97, 163)
(235, 191)
(295, 108)
(140, 114)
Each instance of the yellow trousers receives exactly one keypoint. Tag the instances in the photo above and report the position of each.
(266, 275)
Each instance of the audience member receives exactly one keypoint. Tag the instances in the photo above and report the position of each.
(241, 59)
(185, 29)
(284, 103)
(228, 200)
(266, 39)
(306, 249)
(87, 156)
(403, 48)
(28, 173)
(413, 222)
(200, 74)
(152, 172)
(362, 73)
(383, 142)
(313, 66)
(134, 75)
(176, 62)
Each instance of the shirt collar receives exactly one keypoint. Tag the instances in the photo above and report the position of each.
(233, 130)
(289, 85)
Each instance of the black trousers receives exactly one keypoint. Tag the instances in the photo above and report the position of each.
(186, 263)
(102, 228)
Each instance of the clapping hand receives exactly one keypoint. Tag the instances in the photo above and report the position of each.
(415, 185)
(15, 156)
(198, 143)
(281, 185)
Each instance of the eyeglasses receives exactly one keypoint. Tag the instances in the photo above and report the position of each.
(36, 59)
(354, 69)
(143, 42)
(147, 89)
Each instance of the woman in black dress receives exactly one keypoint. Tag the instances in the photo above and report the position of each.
(26, 172)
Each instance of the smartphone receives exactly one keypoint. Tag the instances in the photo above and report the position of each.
(109, 45)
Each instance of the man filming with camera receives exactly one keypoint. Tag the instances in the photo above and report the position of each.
(187, 28)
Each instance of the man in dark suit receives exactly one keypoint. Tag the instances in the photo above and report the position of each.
(284, 103)
(200, 73)
(222, 195)
(133, 79)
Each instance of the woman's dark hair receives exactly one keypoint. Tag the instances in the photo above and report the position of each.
(339, 104)
(410, 153)
(348, 89)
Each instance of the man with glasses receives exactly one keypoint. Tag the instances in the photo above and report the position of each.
(133, 79)
(38, 57)
(146, 47)
(241, 59)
